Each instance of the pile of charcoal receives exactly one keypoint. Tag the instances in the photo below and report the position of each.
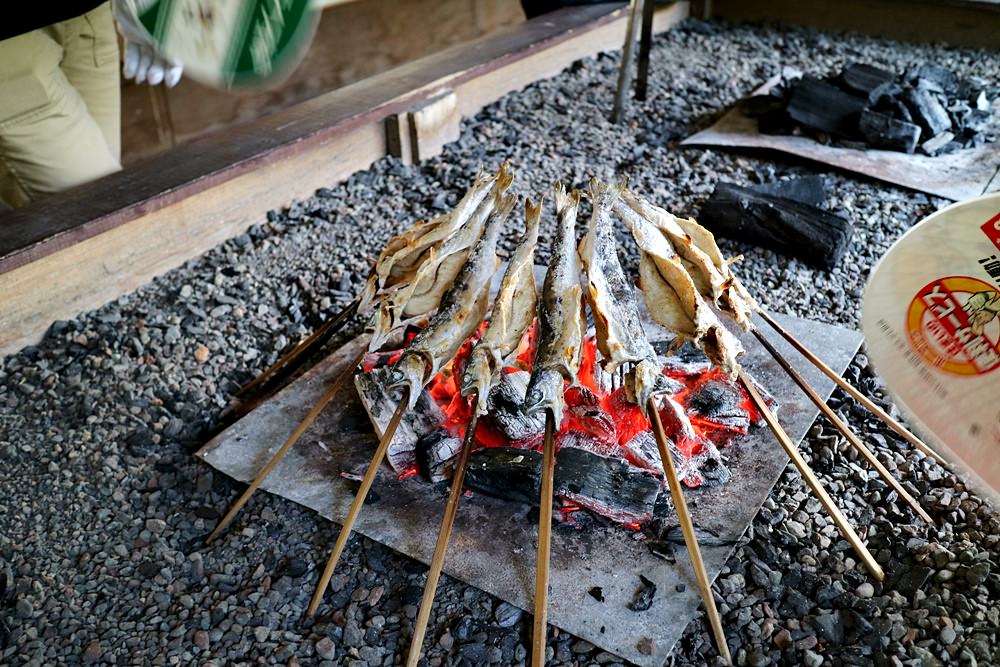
(929, 108)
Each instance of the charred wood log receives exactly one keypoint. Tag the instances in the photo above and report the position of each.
(927, 111)
(811, 234)
(611, 487)
(810, 190)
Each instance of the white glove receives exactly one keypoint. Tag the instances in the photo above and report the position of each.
(142, 61)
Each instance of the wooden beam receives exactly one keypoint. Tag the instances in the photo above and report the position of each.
(80, 249)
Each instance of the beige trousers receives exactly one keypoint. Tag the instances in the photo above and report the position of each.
(60, 107)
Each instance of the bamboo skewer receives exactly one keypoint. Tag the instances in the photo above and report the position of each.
(625, 69)
(690, 538)
(847, 387)
(539, 634)
(317, 337)
(844, 429)
(283, 450)
(359, 501)
(444, 534)
(810, 477)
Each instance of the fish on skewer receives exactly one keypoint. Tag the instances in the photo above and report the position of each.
(673, 297)
(620, 335)
(411, 301)
(463, 308)
(513, 313)
(562, 321)
(701, 256)
(403, 255)
(395, 267)
(562, 324)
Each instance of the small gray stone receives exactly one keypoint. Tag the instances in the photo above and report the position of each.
(507, 615)
(865, 590)
(811, 659)
(23, 608)
(326, 649)
(93, 651)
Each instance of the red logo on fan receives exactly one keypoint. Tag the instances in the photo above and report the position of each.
(992, 230)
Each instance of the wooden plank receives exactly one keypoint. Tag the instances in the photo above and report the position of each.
(87, 246)
(971, 23)
(433, 125)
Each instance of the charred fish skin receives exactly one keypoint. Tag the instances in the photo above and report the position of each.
(463, 308)
(513, 313)
(561, 316)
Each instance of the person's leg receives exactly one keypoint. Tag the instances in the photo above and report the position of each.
(48, 139)
(91, 65)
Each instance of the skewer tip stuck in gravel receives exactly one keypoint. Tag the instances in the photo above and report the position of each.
(851, 390)
(540, 629)
(357, 504)
(288, 444)
(687, 529)
(812, 481)
(444, 535)
(844, 429)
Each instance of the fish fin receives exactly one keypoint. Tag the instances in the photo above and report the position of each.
(563, 199)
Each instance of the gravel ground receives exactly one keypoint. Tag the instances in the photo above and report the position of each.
(104, 507)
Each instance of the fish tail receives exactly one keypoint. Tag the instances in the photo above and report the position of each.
(505, 177)
(563, 199)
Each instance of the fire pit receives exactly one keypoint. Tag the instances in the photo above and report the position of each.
(608, 462)
(493, 543)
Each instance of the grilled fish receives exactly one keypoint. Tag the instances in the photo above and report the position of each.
(701, 257)
(513, 312)
(463, 308)
(403, 255)
(673, 297)
(415, 299)
(561, 316)
(620, 336)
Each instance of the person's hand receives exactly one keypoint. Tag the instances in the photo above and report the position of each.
(143, 63)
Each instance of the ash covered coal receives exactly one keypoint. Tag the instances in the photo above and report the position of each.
(928, 109)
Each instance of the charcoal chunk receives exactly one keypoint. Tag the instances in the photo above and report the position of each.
(863, 79)
(813, 235)
(882, 131)
(936, 145)
(809, 190)
(927, 111)
(824, 107)
(942, 77)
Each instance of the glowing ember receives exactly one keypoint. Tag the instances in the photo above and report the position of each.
(703, 414)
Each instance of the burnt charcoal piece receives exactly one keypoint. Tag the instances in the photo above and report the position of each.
(882, 131)
(597, 593)
(809, 233)
(506, 412)
(863, 79)
(643, 598)
(758, 105)
(885, 93)
(936, 145)
(776, 122)
(927, 111)
(609, 487)
(809, 190)
(941, 77)
(719, 402)
(436, 452)
(824, 107)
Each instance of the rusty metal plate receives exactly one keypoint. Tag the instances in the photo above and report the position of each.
(493, 545)
(957, 176)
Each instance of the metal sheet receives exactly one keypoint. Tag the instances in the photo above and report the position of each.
(960, 175)
(493, 546)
